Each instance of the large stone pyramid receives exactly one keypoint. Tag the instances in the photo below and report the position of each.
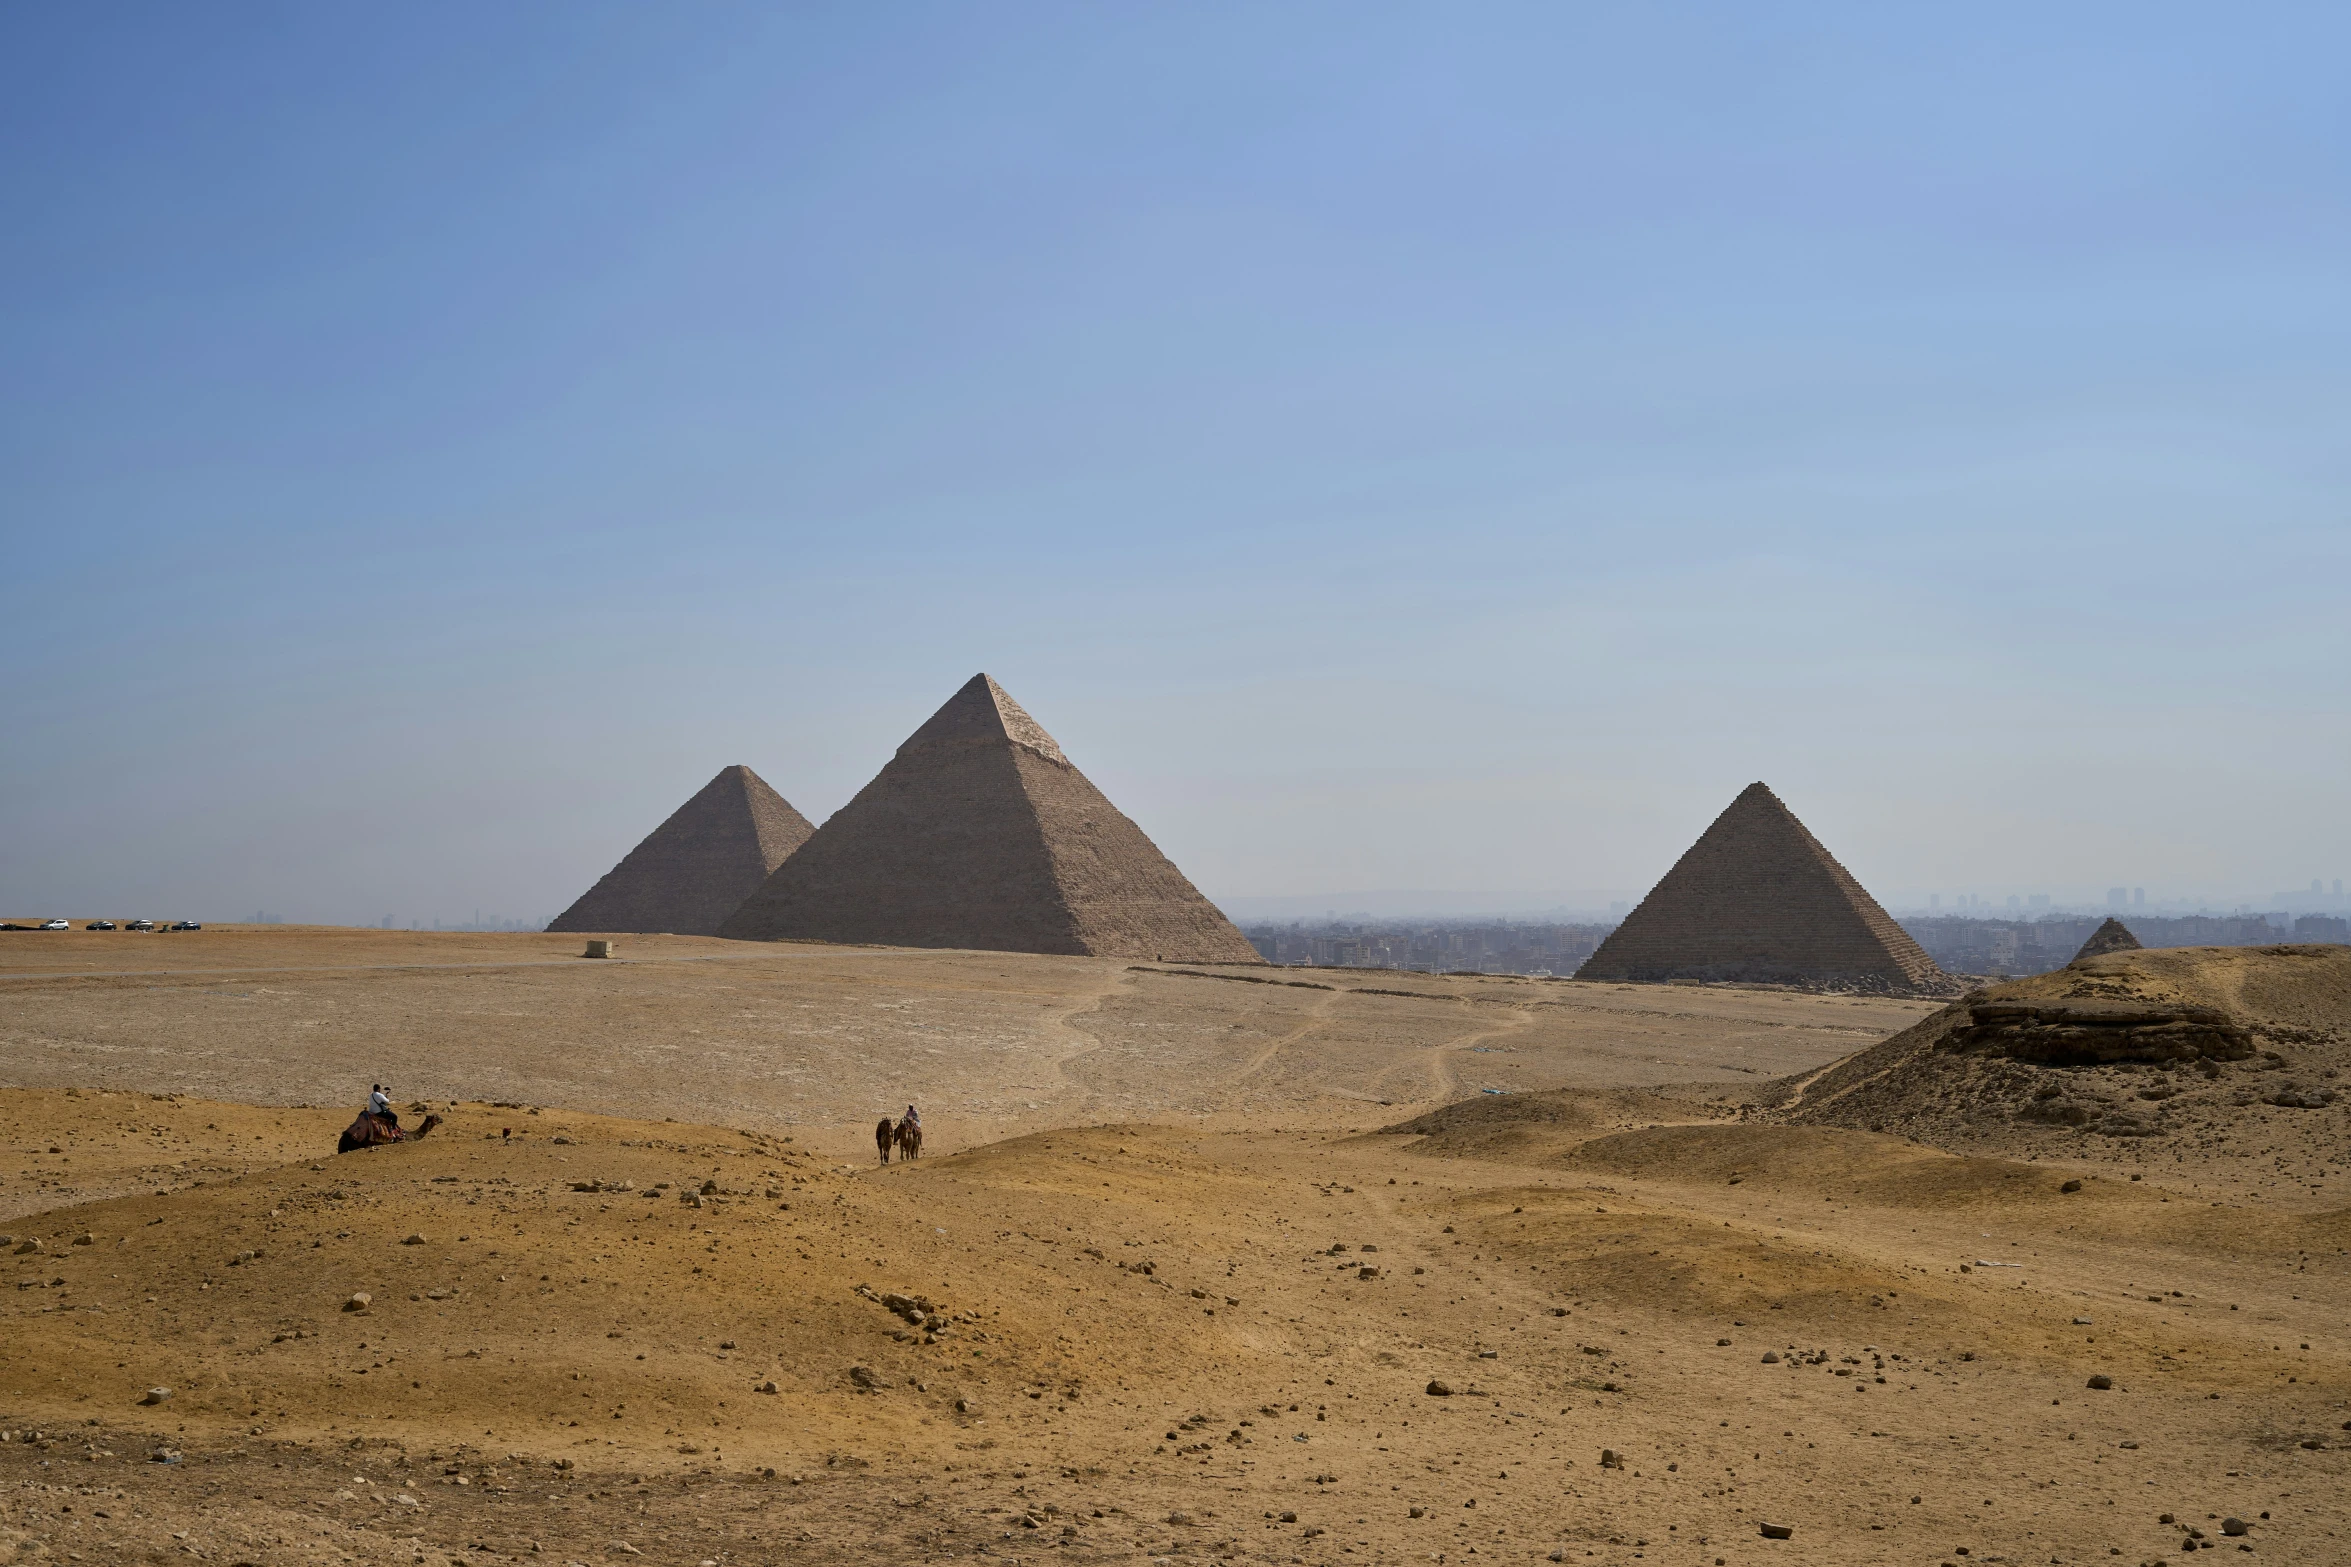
(1758, 898)
(710, 855)
(979, 833)
(2113, 936)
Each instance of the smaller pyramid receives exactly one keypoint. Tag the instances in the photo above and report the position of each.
(981, 834)
(1757, 898)
(2113, 936)
(692, 871)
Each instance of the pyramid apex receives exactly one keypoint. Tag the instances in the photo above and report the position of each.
(2113, 936)
(983, 713)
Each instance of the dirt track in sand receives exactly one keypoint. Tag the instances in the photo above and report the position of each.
(1142, 1341)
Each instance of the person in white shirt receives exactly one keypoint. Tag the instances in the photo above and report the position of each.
(379, 1105)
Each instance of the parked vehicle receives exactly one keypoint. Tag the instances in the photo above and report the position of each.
(55, 925)
(99, 925)
(184, 925)
(140, 925)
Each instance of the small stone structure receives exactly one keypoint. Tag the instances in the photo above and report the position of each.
(2113, 936)
(692, 871)
(981, 834)
(1757, 898)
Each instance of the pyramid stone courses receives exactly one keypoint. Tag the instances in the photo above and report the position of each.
(1757, 898)
(2113, 936)
(698, 866)
(981, 834)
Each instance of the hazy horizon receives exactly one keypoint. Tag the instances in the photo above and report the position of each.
(1387, 451)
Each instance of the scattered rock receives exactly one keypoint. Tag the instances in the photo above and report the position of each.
(863, 1377)
(155, 1395)
(1779, 1531)
(1610, 1458)
(2102, 1382)
(2071, 1186)
(413, 1240)
(2234, 1526)
(1438, 1389)
(1771, 1357)
(360, 1301)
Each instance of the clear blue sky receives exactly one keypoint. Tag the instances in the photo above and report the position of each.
(1390, 447)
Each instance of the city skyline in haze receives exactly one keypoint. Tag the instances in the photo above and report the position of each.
(1385, 452)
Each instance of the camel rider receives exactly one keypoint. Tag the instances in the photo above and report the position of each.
(911, 1120)
(379, 1105)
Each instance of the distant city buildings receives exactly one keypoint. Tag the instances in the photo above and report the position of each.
(1431, 947)
(1960, 944)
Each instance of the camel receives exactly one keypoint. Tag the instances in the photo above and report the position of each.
(373, 1131)
(885, 1133)
(909, 1139)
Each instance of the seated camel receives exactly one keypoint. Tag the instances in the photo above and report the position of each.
(376, 1131)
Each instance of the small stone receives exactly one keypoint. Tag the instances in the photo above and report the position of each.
(1722, 1343)
(155, 1395)
(2102, 1382)
(2071, 1186)
(1179, 1517)
(359, 1301)
(413, 1240)
(1610, 1458)
(30, 1247)
(1779, 1531)
(767, 1387)
(863, 1377)
(2234, 1526)
(1771, 1357)
(85, 1240)
(2083, 1322)
(1438, 1389)
(1293, 1517)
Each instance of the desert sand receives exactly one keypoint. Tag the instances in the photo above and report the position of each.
(1197, 1267)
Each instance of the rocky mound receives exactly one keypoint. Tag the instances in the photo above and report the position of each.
(2189, 1049)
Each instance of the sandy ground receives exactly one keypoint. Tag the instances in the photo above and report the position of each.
(1213, 1337)
(820, 1041)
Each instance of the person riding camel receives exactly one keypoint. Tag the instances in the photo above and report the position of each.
(377, 1125)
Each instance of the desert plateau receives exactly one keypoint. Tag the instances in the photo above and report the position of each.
(1200, 1263)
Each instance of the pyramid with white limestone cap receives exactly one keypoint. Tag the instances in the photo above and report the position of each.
(695, 868)
(981, 834)
(1758, 898)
